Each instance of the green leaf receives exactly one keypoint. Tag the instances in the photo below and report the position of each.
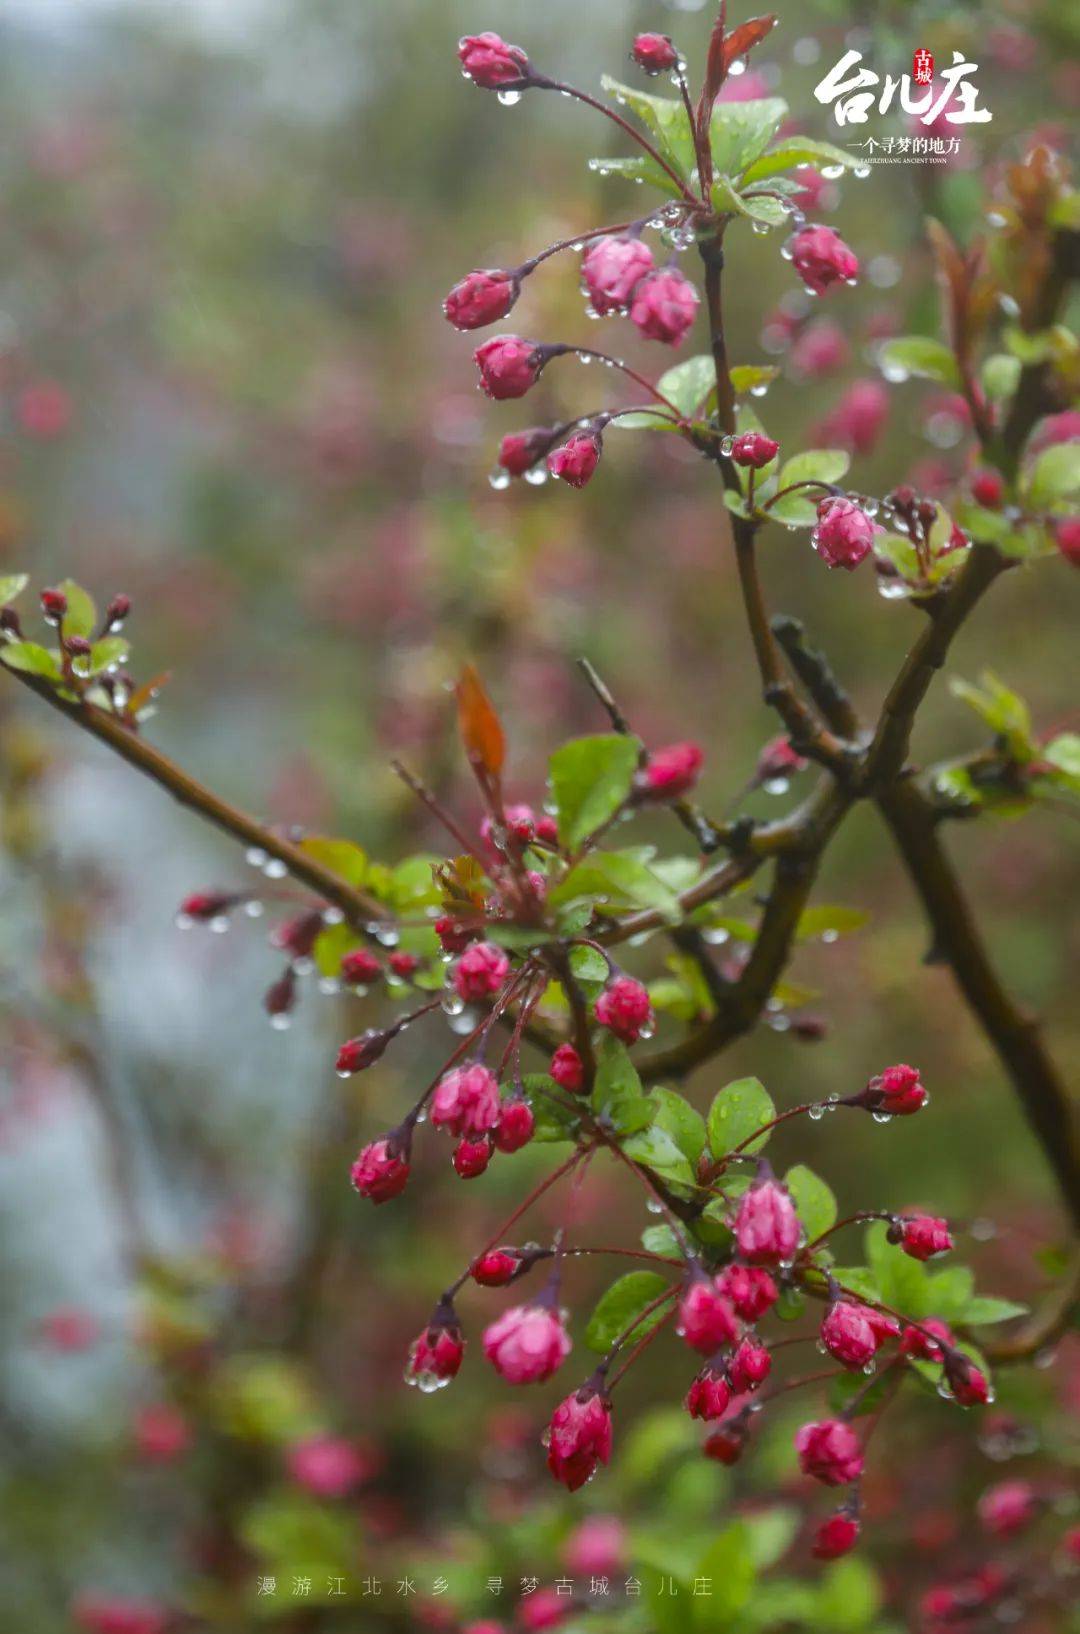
(621, 1304)
(736, 1112)
(904, 1283)
(745, 376)
(814, 465)
(1000, 376)
(555, 1119)
(111, 650)
(637, 169)
(830, 922)
(759, 207)
(342, 857)
(844, 1389)
(770, 1534)
(689, 383)
(792, 151)
(331, 946)
(31, 659)
(660, 1239)
(813, 1199)
(81, 615)
(1053, 475)
(664, 116)
(411, 885)
(681, 1121)
(921, 356)
(949, 1292)
(588, 964)
(740, 132)
(617, 879)
(983, 1311)
(656, 1149)
(12, 585)
(617, 1095)
(1064, 752)
(728, 1565)
(590, 778)
(859, 1279)
(1005, 713)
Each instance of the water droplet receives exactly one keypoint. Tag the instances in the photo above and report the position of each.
(183, 921)
(776, 785)
(830, 936)
(537, 476)
(715, 935)
(983, 1230)
(833, 173)
(738, 66)
(499, 478)
(759, 390)
(452, 1003)
(329, 985)
(760, 227)
(304, 966)
(387, 935)
(509, 98)
(255, 856)
(726, 445)
(254, 908)
(653, 1207)
(463, 1022)
(274, 868)
(861, 172)
(816, 1113)
(882, 1117)
(648, 1029)
(219, 924)
(281, 1023)
(333, 916)
(806, 50)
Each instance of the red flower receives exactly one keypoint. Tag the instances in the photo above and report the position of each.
(360, 967)
(1008, 1507)
(1067, 534)
(767, 1227)
(835, 1536)
(844, 534)
(673, 771)
(898, 1091)
(481, 971)
(821, 258)
(403, 964)
(576, 461)
(968, 1383)
(624, 1009)
(495, 1268)
(508, 365)
(664, 306)
(471, 1157)
(378, 1173)
(706, 1320)
(481, 298)
(579, 1437)
(526, 1344)
(357, 1053)
(754, 449)
(326, 1466)
(436, 1355)
(490, 62)
(778, 760)
(922, 1236)
(161, 1433)
(467, 1101)
(987, 488)
(749, 1366)
(612, 268)
(708, 1396)
(519, 451)
(922, 1342)
(567, 1069)
(655, 53)
(847, 1335)
(829, 1451)
(750, 1289)
(515, 1126)
(727, 1442)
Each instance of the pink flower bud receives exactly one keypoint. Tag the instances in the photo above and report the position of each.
(207, 905)
(519, 451)
(921, 1341)
(859, 417)
(612, 268)
(987, 488)
(968, 1383)
(471, 1157)
(68, 1329)
(844, 533)
(753, 449)
(515, 1126)
(379, 1173)
(624, 1009)
(598, 1546)
(526, 1344)
(567, 1069)
(664, 306)
(481, 971)
(117, 611)
(466, 1101)
(922, 1236)
(767, 1227)
(403, 964)
(547, 829)
(709, 1395)
(356, 1054)
(778, 760)
(1056, 428)
(847, 1335)
(655, 53)
(835, 1537)
(749, 1288)
(326, 1466)
(297, 936)
(360, 967)
(830, 1452)
(495, 1268)
(453, 936)
(821, 258)
(1067, 534)
(490, 62)
(576, 461)
(113, 1614)
(53, 605)
(280, 996)
(161, 1433)
(545, 1609)
(821, 348)
(508, 365)
(579, 1437)
(436, 1355)
(481, 298)
(727, 1443)
(672, 772)
(705, 1319)
(898, 1091)
(1008, 1507)
(749, 1366)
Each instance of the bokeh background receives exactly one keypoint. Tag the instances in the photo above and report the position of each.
(226, 388)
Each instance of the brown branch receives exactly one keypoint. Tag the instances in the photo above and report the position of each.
(358, 908)
(1013, 1032)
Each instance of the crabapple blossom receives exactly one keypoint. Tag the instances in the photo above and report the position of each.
(471, 1157)
(829, 1451)
(480, 972)
(670, 773)
(706, 1320)
(624, 1009)
(326, 1466)
(749, 1366)
(664, 306)
(481, 298)
(576, 460)
(579, 1437)
(509, 366)
(495, 1268)
(436, 1355)
(655, 53)
(611, 268)
(709, 1395)
(1008, 1507)
(922, 1236)
(515, 1126)
(466, 1100)
(490, 62)
(767, 1229)
(753, 449)
(749, 1288)
(360, 967)
(835, 1536)
(526, 1344)
(519, 451)
(844, 534)
(847, 1335)
(379, 1173)
(821, 258)
(567, 1068)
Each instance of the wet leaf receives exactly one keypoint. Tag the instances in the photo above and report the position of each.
(736, 1112)
(590, 778)
(621, 1304)
(31, 659)
(481, 730)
